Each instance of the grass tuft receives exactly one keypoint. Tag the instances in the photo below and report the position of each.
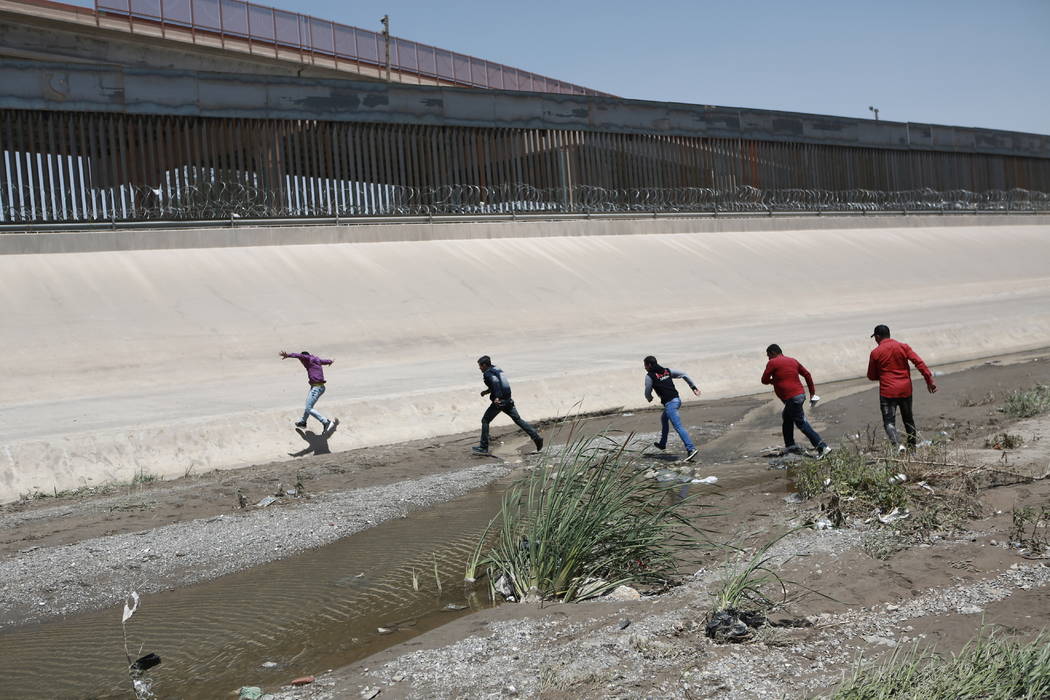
(1026, 403)
(584, 522)
(990, 667)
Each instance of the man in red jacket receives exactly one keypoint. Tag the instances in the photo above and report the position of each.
(783, 372)
(888, 365)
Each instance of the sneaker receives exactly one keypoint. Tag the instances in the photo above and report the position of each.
(539, 444)
(901, 449)
(479, 450)
(793, 450)
(692, 454)
(659, 446)
(300, 424)
(331, 425)
(823, 452)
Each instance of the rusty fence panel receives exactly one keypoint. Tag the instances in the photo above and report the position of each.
(84, 167)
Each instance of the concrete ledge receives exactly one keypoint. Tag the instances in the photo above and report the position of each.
(165, 360)
(189, 238)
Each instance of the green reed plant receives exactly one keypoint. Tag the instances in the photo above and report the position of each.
(989, 667)
(585, 521)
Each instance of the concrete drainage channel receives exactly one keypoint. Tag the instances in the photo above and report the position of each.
(318, 610)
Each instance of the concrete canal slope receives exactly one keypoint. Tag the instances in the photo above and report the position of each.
(164, 361)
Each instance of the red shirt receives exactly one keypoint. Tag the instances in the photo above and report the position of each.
(888, 366)
(782, 372)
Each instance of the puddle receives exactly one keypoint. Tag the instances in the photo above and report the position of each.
(308, 613)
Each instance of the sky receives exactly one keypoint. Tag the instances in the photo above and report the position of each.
(961, 62)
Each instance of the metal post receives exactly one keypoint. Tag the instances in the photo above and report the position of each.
(875, 110)
(386, 38)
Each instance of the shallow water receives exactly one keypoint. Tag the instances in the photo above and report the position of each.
(308, 613)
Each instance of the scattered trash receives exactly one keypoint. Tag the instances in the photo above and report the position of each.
(926, 486)
(925, 443)
(304, 680)
(898, 478)
(880, 641)
(269, 664)
(269, 500)
(706, 480)
(665, 475)
(452, 607)
(503, 587)
(624, 624)
(385, 630)
(893, 516)
(292, 492)
(731, 625)
(624, 593)
(145, 663)
(627, 415)
(793, 498)
(250, 692)
(822, 523)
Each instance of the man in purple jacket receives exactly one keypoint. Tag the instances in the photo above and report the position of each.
(315, 375)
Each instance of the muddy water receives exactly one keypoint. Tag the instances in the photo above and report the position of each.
(309, 613)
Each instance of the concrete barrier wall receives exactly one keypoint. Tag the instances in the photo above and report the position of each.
(165, 361)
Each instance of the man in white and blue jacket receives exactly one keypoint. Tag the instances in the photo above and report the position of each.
(661, 380)
(498, 391)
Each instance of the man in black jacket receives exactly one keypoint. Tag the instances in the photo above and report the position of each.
(499, 394)
(661, 380)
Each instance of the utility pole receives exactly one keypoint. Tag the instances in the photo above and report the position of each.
(873, 109)
(386, 38)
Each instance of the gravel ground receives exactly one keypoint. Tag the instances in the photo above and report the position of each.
(99, 572)
(666, 654)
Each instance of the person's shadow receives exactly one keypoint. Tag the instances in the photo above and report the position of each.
(316, 444)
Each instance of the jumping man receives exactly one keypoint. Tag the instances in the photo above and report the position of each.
(498, 392)
(661, 380)
(783, 372)
(888, 365)
(315, 375)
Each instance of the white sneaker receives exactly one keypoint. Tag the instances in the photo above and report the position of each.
(901, 449)
(689, 457)
(824, 452)
(813, 400)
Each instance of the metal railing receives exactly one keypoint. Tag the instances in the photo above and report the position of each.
(273, 30)
(230, 200)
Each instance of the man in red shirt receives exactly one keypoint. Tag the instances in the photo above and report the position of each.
(888, 365)
(783, 372)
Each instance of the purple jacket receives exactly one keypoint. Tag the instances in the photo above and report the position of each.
(312, 363)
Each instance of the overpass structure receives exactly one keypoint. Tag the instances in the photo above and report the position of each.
(253, 112)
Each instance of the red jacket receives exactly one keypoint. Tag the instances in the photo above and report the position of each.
(782, 372)
(888, 366)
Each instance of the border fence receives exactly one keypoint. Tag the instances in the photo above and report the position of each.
(70, 167)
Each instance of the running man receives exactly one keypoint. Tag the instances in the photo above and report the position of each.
(315, 375)
(498, 391)
(888, 365)
(661, 380)
(783, 372)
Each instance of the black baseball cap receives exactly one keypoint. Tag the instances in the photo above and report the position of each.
(882, 331)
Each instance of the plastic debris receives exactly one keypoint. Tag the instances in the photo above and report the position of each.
(893, 516)
(452, 607)
(145, 663)
(793, 498)
(269, 500)
(732, 625)
(898, 478)
(385, 630)
(822, 523)
(250, 692)
(706, 480)
(269, 664)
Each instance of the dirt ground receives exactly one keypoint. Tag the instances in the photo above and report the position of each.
(926, 593)
(937, 593)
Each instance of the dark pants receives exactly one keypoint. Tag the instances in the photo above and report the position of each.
(889, 418)
(507, 407)
(793, 416)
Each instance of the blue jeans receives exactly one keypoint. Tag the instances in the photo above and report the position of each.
(670, 415)
(311, 399)
(793, 416)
